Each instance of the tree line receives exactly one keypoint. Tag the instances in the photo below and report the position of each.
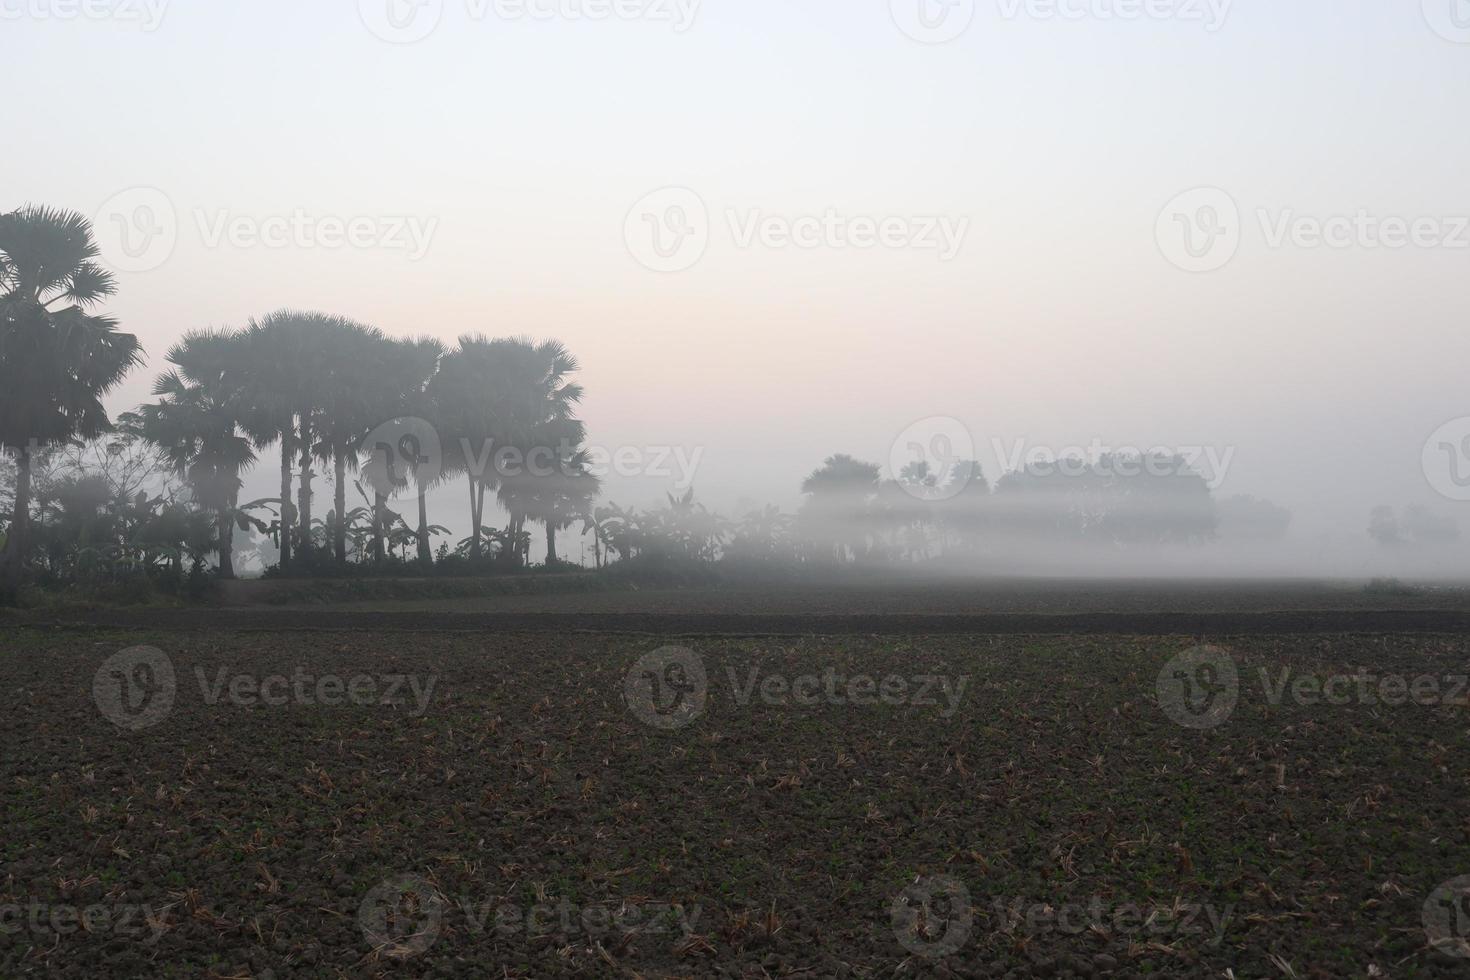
(308, 387)
(158, 488)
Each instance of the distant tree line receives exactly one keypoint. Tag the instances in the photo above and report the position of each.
(851, 515)
(1415, 526)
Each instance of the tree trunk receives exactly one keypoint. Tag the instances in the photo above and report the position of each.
(17, 541)
(287, 511)
(304, 493)
(520, 548)
(425, 554)
(511, 553)
(477, 501)
(380, 511)
(550, 544)
(341, 501)
(227, 538)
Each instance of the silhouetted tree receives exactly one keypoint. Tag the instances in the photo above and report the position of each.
(58, 357)
(196, 424)
(1116, 500)
(837, 514)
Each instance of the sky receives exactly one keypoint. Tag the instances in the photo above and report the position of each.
(772, 231)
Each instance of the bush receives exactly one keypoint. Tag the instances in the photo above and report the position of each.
(1390, 587)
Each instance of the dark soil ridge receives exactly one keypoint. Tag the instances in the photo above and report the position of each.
(707, 624)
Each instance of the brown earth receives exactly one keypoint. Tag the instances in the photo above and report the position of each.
(1053, 820)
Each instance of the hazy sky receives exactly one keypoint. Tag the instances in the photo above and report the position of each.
(1055, 135)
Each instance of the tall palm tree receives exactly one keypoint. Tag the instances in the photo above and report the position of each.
(504, 394)
(313, 335)
(561, 498)
(273, 379)
(345, 394)
(58, 357)
(535, 408)
(404, 374)
(464, 413)
(196, 425)
(292, 355)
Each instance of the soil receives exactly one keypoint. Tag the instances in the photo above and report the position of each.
(1053, 820)
(907, 596)
(885, 608)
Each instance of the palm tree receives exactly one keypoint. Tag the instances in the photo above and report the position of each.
(505, 394)
(422, 483)
(404, 384)
(401, 372)
(464, 415)
(57, 357)
(196, 426)
(313, 336)
(534, 414)
(274, 383)
(345, 395)
(291, 356)
(559, 498)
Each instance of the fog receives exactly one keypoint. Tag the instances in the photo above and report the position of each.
(774, 233)
(898, 488)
